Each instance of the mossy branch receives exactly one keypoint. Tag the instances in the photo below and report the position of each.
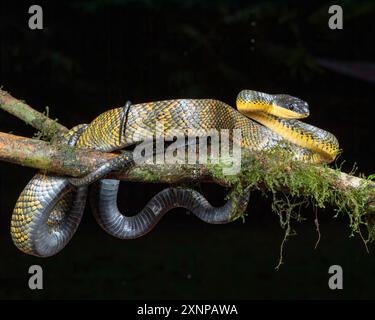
(316, 184)
(69, 161)
(23, 111)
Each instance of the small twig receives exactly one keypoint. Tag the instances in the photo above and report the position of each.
(23, 111)
(364, 240)
(316, 221)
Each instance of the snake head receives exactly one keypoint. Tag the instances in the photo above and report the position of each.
(278, 105)
(289, 107)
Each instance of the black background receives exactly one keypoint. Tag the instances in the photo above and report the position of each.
(94, 55)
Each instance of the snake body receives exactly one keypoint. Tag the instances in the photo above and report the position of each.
(49, 209)
(104, 206)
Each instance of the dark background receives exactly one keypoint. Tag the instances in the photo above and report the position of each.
(94, 55)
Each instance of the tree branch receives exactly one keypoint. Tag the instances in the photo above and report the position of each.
(23, 111)
(70, 161)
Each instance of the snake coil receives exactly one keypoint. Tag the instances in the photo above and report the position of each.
(50, 209)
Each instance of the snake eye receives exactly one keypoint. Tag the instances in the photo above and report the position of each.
(293, 107)
(298, 106)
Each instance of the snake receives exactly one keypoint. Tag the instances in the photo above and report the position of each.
(50, 207)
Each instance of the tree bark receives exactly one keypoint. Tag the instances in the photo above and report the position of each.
(71, 161)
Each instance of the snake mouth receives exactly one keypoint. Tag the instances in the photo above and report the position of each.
(289, 107)
(282, 112)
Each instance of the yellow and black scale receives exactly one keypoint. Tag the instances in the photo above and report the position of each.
(50, 208)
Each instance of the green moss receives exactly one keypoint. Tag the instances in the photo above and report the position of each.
(294, 185)
(47, 132)
(145, 175)
(69, 154)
